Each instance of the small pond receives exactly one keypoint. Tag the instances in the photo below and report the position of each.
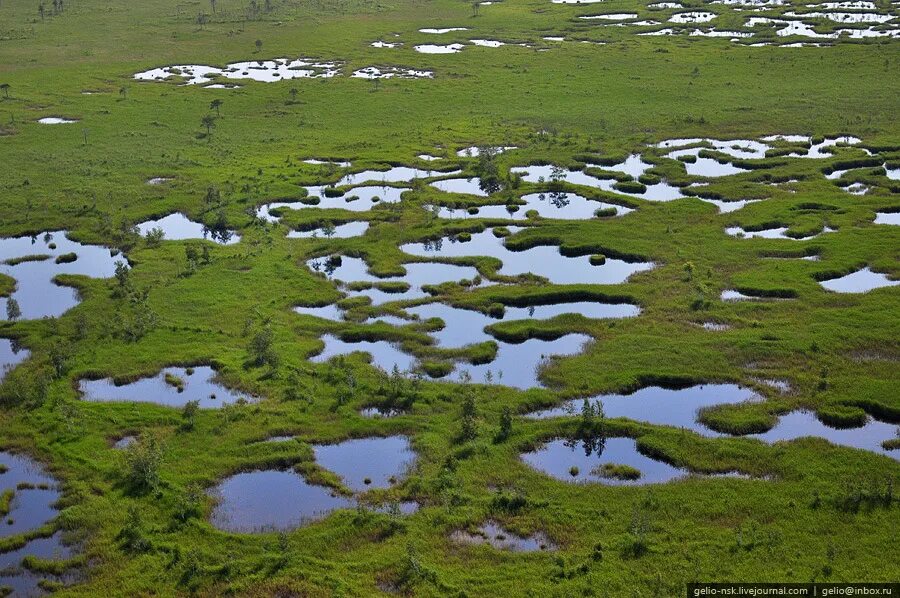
(172, 387)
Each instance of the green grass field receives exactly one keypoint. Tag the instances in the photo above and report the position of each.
(801, 511)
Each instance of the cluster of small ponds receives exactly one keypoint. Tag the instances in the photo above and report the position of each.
(31, 511)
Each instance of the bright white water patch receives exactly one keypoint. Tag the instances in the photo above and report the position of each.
(383, 44)
(474, 151)
(561, 206)
(787, 138)
(868, 33)
(861, 281)
(717, 33)
(464, 327)
(444, 30)
(266, 71)
(577, 1)
(620, 16)
(746, 149)
(391, 72)
(358, 199)
(428, 157)
(341, 231)
(384, 355)
(418, 275)
(544, 261)
(892, 173)
(222, 86)
(726, 207)
(857, 188)
(818, 150)
(541, 174)
(158, 180)
(887, 218)
(554, 38)
(438, 49)
(660, 32)
(752, 3)
(772, 233)
(705, 167)
(844, 17)
(633, 166)
(172, 387)
(489, 43)
(849, 5)
(732, 295)
(660, 5)
(178, 227)
(801, 424)
(660, 406)
(789, 28)
(35, 261)
(335, 163)
(56, 120)
(697, 16)
(396, 174)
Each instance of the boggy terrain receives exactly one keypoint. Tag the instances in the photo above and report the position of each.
(524, 297)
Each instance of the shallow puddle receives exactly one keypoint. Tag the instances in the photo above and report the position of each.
(661, 191)
(660, 406)
(556, 205)
(799, 424)
(575, 461)
(124, 442)
(265, 71)
(36, 293)
(172, 387)
(384, 355)
(341, 231)
(34, 495)
(861, 281)
(56, 120)
(11, 355)
(271, 500)
(726, 207)
(772, 233)
(23, 582)
(465, 327)
(367, 463)
(391, 72)
(622, 16)
(418, 275)
(438, 49)
(545, 261)
(493, 534)
(887, 218)
(443, 30)
(692, 17)
(178, 227)
(470, 186)
(358, 199)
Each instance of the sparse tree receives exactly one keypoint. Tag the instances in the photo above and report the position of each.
(5, 88)
(13, 311)
(506, 422)
(212, 4)
(208, 121)
(258, 44)
(42, 10)
(216, 105)
(475, 6)
(123, 92)
(293, 93)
